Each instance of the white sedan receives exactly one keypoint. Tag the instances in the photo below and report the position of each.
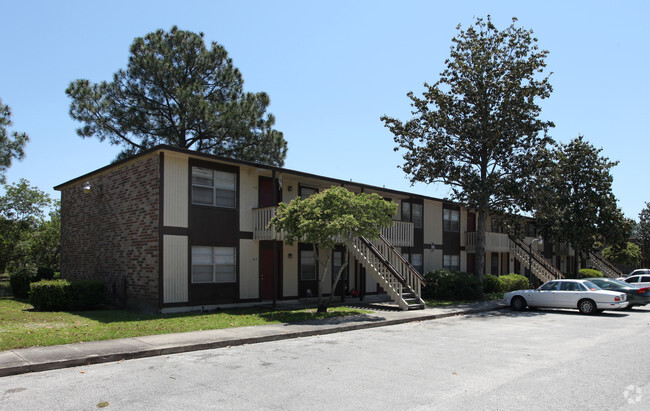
(581, 294)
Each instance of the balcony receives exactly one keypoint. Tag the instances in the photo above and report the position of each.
(399, 235)
(494, 242)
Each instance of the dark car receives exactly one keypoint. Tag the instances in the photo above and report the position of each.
(635, 296)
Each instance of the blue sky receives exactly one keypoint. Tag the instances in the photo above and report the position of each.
(331, 68)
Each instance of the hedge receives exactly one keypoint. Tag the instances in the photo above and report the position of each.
(20, 281)
(491, 284)
(452, 285)
(59, 295)
(512, 282)
(589, 273)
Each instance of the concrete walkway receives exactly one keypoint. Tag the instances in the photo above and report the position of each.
(70, 355)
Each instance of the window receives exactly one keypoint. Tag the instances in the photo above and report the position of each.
(214, 187)
(550, 286)
(307, 192)
(214, 264)
(412, 212)
(495, 227)
(451, 262)
(451, 220)
(529, 230)
(307, 265)
(494, 264)
(571, 286)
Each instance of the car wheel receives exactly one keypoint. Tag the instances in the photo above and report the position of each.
(518, 303)
(587, 306)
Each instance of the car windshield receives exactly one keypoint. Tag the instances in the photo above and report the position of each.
(591, 286)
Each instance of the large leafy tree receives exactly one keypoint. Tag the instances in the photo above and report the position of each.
(574, 202)
(477, 129)
(331, 217)
(177, 91)
(11, 143)
(643, 235)
(628, 254)
(26, 236)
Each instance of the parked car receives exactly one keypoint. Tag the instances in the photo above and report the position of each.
(635, 296)
(581, 294)
(640, 271)
(639, 279)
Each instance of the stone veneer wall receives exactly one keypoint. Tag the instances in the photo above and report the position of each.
(113, 235)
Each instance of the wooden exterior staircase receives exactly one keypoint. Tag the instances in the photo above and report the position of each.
(540, 267)
(601, 264)
(392, 272)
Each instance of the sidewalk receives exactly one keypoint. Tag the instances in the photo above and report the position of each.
(71, 355)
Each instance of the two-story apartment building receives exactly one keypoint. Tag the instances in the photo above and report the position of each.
(173, 229)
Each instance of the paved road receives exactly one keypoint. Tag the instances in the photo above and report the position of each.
(499, 360)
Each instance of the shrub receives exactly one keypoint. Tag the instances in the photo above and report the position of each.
(512, 282)
(45, 273)
(589, 273)
(49, 295)
(452, 285)
(87, 294)
(57, 295)
(491, 284)
(20, 281)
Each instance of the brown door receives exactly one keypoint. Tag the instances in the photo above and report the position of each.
(266, 192)
(470, 263)
(266, 269)
(471, 222)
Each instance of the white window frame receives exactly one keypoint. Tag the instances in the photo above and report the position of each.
(216, 265)
(451, 262)
(302, 273)
(216, 188)
(449, 223)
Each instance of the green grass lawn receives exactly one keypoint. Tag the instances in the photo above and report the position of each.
(21, 326)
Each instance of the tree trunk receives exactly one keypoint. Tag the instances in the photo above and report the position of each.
(479, 259)
(576, 263)
(322, 273)
(338, 277)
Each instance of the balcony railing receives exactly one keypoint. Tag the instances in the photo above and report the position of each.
(399, 235)
(494, 242)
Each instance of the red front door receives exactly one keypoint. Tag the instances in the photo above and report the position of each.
(470, 263)
(471, 222)
(266, 192)
(266, 270)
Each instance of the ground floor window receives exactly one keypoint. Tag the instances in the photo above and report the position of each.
(307, 265)
(214, 264)
(451, 262)
(415, 259)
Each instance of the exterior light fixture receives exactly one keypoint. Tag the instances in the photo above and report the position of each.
(86, 187)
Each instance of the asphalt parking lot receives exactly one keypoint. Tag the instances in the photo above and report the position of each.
(544, 359)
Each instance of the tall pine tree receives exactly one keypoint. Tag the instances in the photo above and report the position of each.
(177, 91)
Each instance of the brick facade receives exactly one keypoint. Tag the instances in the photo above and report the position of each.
(112, 233)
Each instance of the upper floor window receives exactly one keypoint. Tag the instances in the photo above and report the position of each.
(529, 230)
(451, 220)
(495, 226)
(307, 192)
(214, 187)
(412, 212)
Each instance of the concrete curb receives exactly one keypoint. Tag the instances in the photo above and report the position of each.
(37, 359)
